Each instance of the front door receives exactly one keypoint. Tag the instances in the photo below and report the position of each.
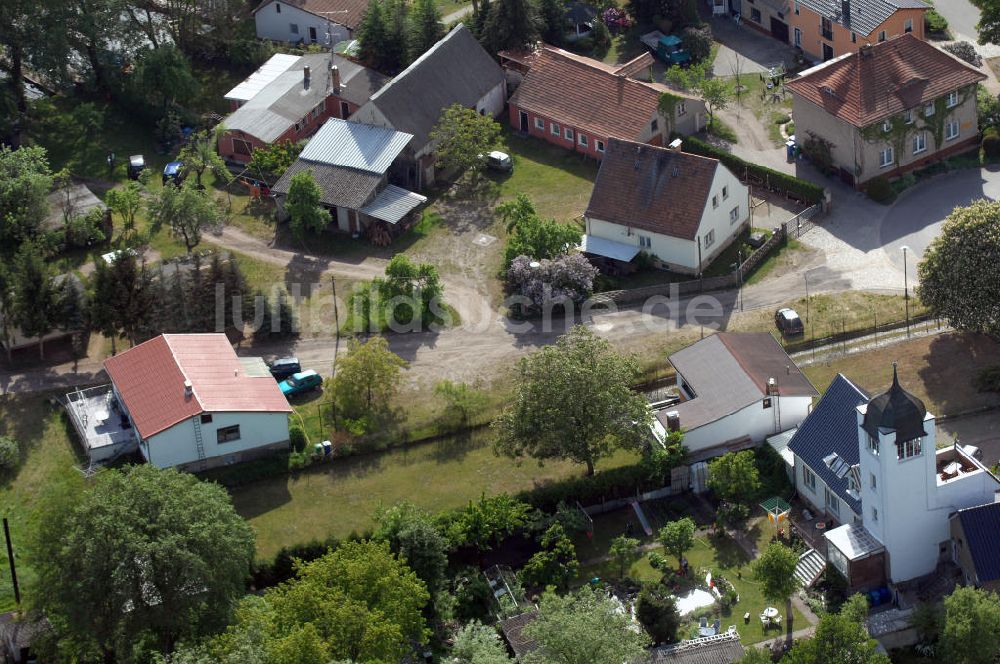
(827, 52)
(524, 121)
(779, 30)
(312, 35)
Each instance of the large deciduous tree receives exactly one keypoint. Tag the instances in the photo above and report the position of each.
(774, 570)
(989, 21)
(25, 182)
(573, 401)
(126, 202)
(414, 537)
(656, 610)
(144, 558)
(556, 564)
(678, 536)
(735, 480)
(841, 637)
(305, 213)
(623, 551)
(163, 75)
(476, 643)
(960, 271)
(584, 628)
(409, 296)
(463, 137)
(971, 629)
(530, 235)
(367, 377)
(201, 153)
(186, 211)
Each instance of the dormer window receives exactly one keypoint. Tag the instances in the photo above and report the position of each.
(928, 109)
(908, 449)
(887, 126)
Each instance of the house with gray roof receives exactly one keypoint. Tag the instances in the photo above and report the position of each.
(356, 168)
(736, 389)
(456, 70)
(290, 97)
(975, 534)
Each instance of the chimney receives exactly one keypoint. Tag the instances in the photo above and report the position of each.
(866, 50)
(188, 388)
(335, 78)
(305, 77)
(676, 144)
(673, 421)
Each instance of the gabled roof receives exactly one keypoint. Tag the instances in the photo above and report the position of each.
(864, 16)
(355, 145)
(276, 65)
(712, 650)
(832, 428)
(344, 12)
(285, 100)
(655, 189)
(884, 79)
(340, 186)
(513, 632)
(456, 70)
(587, 94)
(981, 526)
(150, 379)
(729, 371)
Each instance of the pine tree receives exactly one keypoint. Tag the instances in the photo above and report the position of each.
(397, 32)
(552, 15)
(511, 24)
(35, 296)
(425, 28)
(373, 39)
(238, 301)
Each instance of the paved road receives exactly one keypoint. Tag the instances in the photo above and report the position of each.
(457, 15)
(962, 18)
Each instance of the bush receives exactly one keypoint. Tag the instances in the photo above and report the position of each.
(988, 379)
(934, 22)
(697, 42)
(966, 51)
(782, 118)
(281, 568)
(10, 452)
(991, 143)
(778, 181)
(880, 191)
(297, 438)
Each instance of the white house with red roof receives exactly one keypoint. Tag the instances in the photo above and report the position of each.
(185, 401)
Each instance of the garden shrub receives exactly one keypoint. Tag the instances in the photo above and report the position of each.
(297, 438)
(934, 22)
(880, 191)
(778, 181)
(991, 143)
(782, 118)
(281, 568)
(988, 379)
(697, 42)
(966, 51)
(10, 452)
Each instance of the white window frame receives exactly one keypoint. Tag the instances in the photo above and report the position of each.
(948, 134)
(582, 139)
(920, 142)
(886, 125)
(832, 502)
(734, 215)
(909, 449)
(540, 124)
(873, 445)
(709, 238)
(908, 117)
(809, 478)
(797, 37)
(645, 241)
(796, 7)
(681, 108)
(599, 146)
(908, 25)
(555, 129)
(567, 133)
(883, 162)
(929, 109)
(952, 99)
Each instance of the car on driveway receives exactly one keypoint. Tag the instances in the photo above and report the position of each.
(300, 383)
(788, 322)
(499, 161)
(174, 173)
(284, 367)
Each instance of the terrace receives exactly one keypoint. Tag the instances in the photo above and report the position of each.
(102, 425)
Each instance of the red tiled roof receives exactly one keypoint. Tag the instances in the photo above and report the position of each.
(345, 12)
(652, 188)
(150, 379)
(587, 94)
(884, 79)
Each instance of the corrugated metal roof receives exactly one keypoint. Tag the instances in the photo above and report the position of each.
(355, 145)
(832, 428)
(600, 246)
(275, 66)
(981, 526)
(393, 203)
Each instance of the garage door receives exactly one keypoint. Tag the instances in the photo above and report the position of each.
(779, 30)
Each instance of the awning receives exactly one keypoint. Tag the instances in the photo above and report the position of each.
(393, 203)
(600, 246)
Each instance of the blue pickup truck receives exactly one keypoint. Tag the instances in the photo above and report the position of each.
(667, 48)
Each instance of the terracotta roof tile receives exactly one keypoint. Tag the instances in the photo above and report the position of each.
(150, 379)
(652, 188)
(882, 80)
(345, 12)
(587, 94)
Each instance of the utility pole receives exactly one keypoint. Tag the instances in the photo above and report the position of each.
(10, 559)
(906, 291)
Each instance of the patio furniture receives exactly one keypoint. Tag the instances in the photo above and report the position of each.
(703, 622)
(764, 621)
(746, 618)
(820, 525)
(770, 612)
(101, 416)
(707, 631)
(776, 621)
(717, 625)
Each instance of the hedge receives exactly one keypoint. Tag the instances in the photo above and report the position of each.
(776, 180)
(604, 485)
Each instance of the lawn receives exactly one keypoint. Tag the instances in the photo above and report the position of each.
(721, 556)
(938, 369)
(47, 459)
(446, 7)
(340, 497)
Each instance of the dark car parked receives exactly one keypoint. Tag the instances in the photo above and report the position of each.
(788, 322)
(284, 367)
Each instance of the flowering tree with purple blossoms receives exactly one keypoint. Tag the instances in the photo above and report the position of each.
(569, 277)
